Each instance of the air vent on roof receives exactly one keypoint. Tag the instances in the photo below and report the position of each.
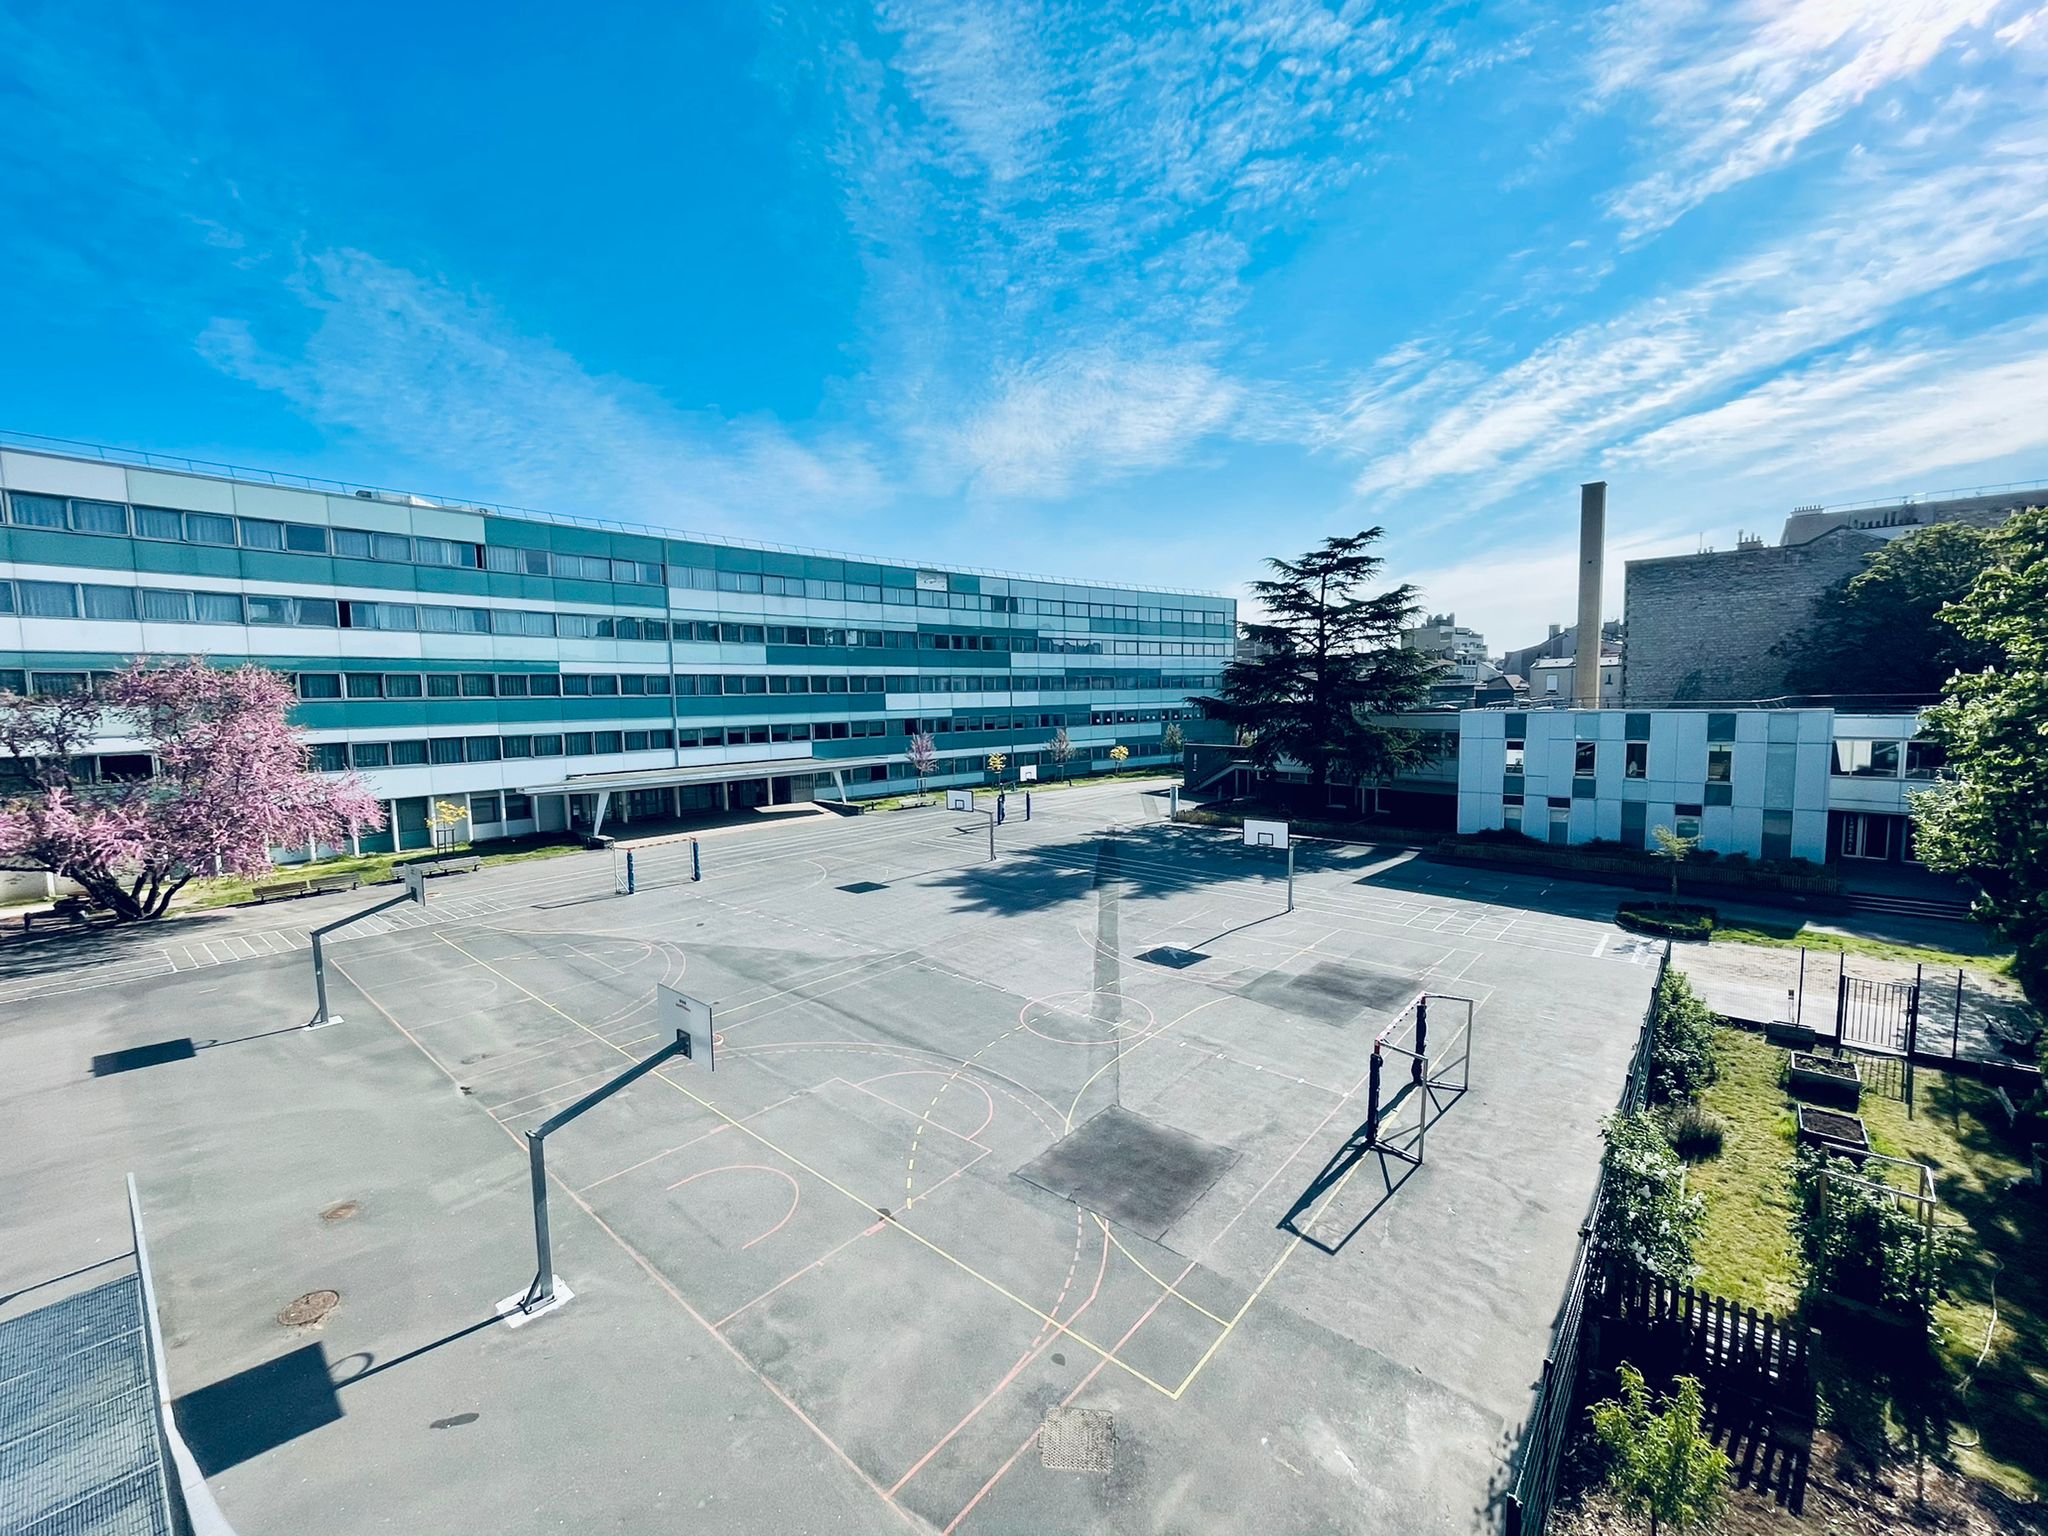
(366, 495)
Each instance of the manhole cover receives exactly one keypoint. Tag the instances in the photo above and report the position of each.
(340, 1212)
(309, 1309)
(1173, 959)
(1077, 1440)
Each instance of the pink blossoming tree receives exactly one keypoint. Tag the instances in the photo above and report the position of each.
(232, 782)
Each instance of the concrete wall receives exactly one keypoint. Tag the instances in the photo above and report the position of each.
(1780, 762)
(1701, 627)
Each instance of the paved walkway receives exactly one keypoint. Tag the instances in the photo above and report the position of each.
(1965, 1013)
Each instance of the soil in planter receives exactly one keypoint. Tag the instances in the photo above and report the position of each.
(1825, 1123)
(1827, 1066)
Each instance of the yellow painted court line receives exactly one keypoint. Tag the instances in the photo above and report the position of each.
(960, 1264)
(1164, 1285)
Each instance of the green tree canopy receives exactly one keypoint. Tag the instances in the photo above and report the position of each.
(1326, 659)
(1883, 630)
(1988, 816)
(1663, 1465)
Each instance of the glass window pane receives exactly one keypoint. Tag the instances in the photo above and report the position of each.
(269, 610)
(319, 685)
(476, 685)
(501, 557)
(408, 754)
(446, 749)
(209, 528)
(366, 685)
(443, 685)
(545, 685)
(391, 546)
(402, 685)
(370, 754)
(99, 517)
(316, 612)
(305, 538)
(217, 607)
(261, 535)
(109, 602)
(352, 543)
(36, 511)
(48, 599)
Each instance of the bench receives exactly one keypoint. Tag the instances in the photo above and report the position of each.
(454, 864)
(69, 909)
(303, 885)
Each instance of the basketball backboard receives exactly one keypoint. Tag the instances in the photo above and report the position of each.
(687, 1016)
(959, 800)
(1028, 774)
(1265, 834)
(414, 877)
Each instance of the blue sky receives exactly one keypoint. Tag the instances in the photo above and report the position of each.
(1083, 289)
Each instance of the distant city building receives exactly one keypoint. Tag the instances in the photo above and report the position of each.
(1550, 680)
(1561, 642)
(1441, 635)
(1709, 627)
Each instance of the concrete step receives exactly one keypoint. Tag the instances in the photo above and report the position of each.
(1909, 906)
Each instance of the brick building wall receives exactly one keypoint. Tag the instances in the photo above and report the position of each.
(1702, 627)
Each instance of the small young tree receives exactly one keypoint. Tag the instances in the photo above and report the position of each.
(443, 821)
(1647, 1218)
(1119, 755)
(996, 763)
(1061, 750)
(1663, 1465)
(1675, 850)
(232, 782)
(924, 758)
(1171, 739)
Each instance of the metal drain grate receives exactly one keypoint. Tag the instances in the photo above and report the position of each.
(1077, 1440)
(1174, 959)
(862, 887)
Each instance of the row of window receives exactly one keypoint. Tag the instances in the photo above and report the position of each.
(217, 529)
(420, 752)
(1853, 759)
(166, 525)
(550, 685)
(160, 605)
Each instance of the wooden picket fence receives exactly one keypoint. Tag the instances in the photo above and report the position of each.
(1680, 1331)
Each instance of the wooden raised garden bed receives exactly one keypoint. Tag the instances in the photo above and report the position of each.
(1834, 1132)
(1835, 1078)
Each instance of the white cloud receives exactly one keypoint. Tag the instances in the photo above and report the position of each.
(1737, 90)
(1113, 413)
(410, 364)
(1859, 416)
(1881, 248)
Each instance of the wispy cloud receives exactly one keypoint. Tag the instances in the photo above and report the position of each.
(1051, 197)
(1883, 246)
(1924, 403)
(387, 354)
(1110, 412)
(1736, 90)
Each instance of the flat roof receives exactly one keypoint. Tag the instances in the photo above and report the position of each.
(699, 773)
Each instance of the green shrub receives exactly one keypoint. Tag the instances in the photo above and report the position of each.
(1696, 1133)
(1667, 920)
(1863, 1245)
(1682, 1042)
(1647, 1217)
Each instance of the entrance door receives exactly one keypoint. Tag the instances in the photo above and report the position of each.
(1865, 836)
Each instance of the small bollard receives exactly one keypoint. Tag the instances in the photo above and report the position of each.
(631, 883)
(1027, 805)
(696, 861)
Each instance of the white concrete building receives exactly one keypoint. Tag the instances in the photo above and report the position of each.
(1769, 783)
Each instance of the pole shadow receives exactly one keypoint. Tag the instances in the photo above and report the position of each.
(184, 1048)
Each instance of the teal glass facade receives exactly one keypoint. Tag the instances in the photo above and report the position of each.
(448, 653)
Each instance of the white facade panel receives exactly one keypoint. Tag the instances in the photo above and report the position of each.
(62, 477)
(188, 493)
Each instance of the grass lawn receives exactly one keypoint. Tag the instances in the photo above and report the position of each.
(937, 796)
(2000, 1428)
(1794, 934)
(374, 868)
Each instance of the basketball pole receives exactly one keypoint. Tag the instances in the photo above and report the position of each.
(1290, 874)
(321, 1016)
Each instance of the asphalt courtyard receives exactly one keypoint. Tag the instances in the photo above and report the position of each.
(1018, 1198)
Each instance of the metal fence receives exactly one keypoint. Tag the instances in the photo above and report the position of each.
(1533, 1487)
